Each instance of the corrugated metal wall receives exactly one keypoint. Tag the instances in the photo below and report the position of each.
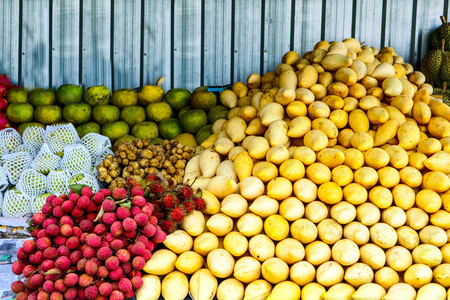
(128, 43)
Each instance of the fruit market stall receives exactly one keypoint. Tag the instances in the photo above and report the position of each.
(324, 173)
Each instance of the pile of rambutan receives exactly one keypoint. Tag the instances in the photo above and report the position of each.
(172, 203)
(88, 246)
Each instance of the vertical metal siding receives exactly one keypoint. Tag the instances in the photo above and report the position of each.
(128, 43)
(65, 38)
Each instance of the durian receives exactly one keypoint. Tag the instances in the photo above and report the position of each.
(442, 32)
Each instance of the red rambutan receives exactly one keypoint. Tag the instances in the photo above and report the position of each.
(168, 226)
(185, 192)
(168, 201)
(188, 206)
(199, 203)
(157, 188)
(177, 214)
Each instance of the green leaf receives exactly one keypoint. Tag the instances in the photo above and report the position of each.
(77, 188)
(126, 204)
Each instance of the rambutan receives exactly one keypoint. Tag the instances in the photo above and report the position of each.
(185, 192)
(151, 177)
(199, 203)
(168, 226)
(188, 206)
(177, 214)
(157, 188)
(168, 201)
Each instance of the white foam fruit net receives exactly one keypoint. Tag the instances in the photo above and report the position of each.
(38, 202)
(85, 179)
(10, 139)
(32, 183)
(59, 136)
(15, 204)
(14, 165)
(58, 182)
(34, 136)
(3, 180)
(25, 148)
(95, 143)
(45, 161)
(101, 156)
(76, 159)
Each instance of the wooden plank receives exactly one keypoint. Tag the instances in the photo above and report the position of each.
(307, 25)
(277, 32)
(368, 20)
(9, 47)
(156, 48)
(429, 12)
(399, 27)
(96, 43)
(65, 43)
(247, 39)
(35, 44)
(338, 20)
(217, 42)
(187, 44)
(127, 43)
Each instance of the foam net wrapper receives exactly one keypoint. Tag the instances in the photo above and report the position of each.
(10, 139)
(3, 180)
(95, 143)
(76, 159)
(45, 161)
(60, 136)
(27, 148)
(101, 156)
(14, 165)
(86, 179)
(38, 202)
(58, 182)
(15, 204)
(34, 136)
(32, 183)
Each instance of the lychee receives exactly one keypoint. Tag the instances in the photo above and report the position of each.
(125, 285)
(93, 240)
(102, 272)
(67, 206)
(29, 246)
(54, 275)
(47, 265)
(37, 257)
(116, 244)
(105, 192)
(129, 224)
(112, 263)
(134, 210)
(86, 225)
(60, 286)
(149, 230)
(109, 218)
(71, 293)
(109, 205)
(85, 280)
(59, 240)
(81, 264)
(103, 253)
(153, 220)
(116, 229)
(91, 267)
(92, 208)
(98, 198)
(138, 248)
(23, 296)
(35, 281)
(123, 213)
(42, 243)
(126, 268)
(123, 255)
(50, 198)
(18, 267)
(48, 286)
(130, 234)
(137, 282)
(50, 253)
(42, 234)
(64, 251)
(89, 252)
(148, 209)
(57, 201)
(97, 261)
(62, 263)
(105, 289)
(159, 236)
(83, 237)
(83, 202)
(119, 194)
(56, 296)
(141, 219)
(91, 292)
(138, 263)
(74, 198)
(66, 230)
(58, 211)
(66, 220)
(70, 279)
(75, 256)
(100, 229)
(86, 191)
(47, 208)
(38, 218)
(138, 201)
(116, 274)
(42, 295)
(76, 212)
(73, 242)
(116, 295)
(108, 237)
(21, 254)
(77, 231)
(52, 230)
(129, 294)
(81, 295)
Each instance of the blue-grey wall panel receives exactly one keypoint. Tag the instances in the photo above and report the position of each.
(9, 36)
(338, 20)
(368, 22)
(96, 43)
(247, 39)
(307, 25)
(277, 32)
(127, 44)
(65, 43)
(217, 42)
(156, 42)
(187, 44)
(35, 44)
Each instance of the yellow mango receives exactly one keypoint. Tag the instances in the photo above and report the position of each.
(408, 135)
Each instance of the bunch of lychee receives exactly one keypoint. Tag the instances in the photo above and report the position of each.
(87, 246)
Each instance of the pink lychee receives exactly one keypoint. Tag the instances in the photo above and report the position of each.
(123, 213)
(58, 211)
(62, 263)
(91, 267)
(117, 295)
(37, 257)
(70, 279)
(102, 272)
(112, 263)
(60, 286)
(129, 224)
(89, 252)
(159, 236)
(123, 255)
(109, 218)
(100, 229)
(18, 267)
(85, 280)
(93, 240)
(71, 293)
(75, 256)
(17, 286)
(29, 246)
(91, 292)
(57, 201)
(105, 289)
(52, 230)
(38, 218)
(139, 201)
(98, 198)
(86, 191)
(119, 194)
(138, 248)
(138, 263)
(92, 207)
(76, 212)
(86, 225)
(66, 220)
(51, 253)
(67, 206)
(116, 274)
(149, 230)
(74, 198)
(125, 285)
(134, 210)
(66, 230)
(137, 282)
(116, 244)
(116, 229)
(73, 242)
(47, 265)
(81, 264)
(21, 254)
(59, 240)
(83, 202)
(130, 234)
(126, 268)
(109, 205)
(27, 271)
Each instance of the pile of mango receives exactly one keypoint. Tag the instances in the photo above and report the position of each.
(126, 114)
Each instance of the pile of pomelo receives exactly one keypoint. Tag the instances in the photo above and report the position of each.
(125, 114)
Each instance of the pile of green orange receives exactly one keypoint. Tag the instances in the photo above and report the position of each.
(149, 113)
